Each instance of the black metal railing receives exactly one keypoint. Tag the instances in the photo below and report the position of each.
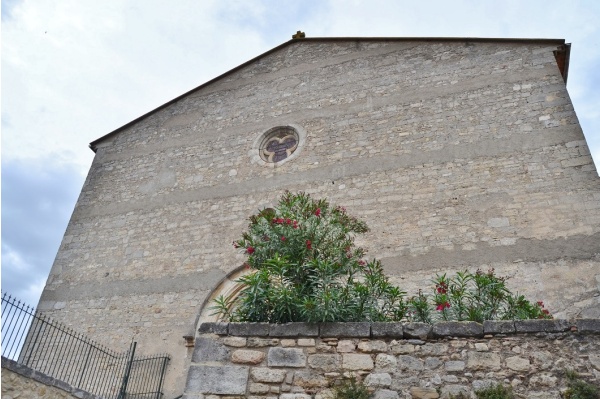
(45, 345)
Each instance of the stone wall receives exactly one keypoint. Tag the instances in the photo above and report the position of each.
(19, 381)
(394, 360)
(457, 153)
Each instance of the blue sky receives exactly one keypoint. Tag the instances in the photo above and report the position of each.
(74, 70)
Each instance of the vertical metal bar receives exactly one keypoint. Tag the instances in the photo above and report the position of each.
(162, 376)
(85, 365)
(123, 390)
(32, 341)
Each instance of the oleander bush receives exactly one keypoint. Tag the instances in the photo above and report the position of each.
(305, 266)
(580, 389)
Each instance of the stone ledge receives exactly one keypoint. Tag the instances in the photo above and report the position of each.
(588, 325)
(397, 330)
(45, 379)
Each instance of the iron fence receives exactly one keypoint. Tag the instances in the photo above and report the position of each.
(45, 345)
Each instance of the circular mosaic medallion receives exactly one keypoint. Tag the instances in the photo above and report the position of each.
(278, 144)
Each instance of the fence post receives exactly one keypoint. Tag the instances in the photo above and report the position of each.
(123, 390)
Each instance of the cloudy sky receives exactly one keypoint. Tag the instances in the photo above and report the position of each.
(74, 70)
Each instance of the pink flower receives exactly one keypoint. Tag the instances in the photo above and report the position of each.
(540, 304)
(282, 238)
(442, 306)
(362, 262)
(250, 250)
(318, 212)
(308, 244)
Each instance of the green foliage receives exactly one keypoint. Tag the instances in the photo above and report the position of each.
(578, 388)
(306, 267)
(351, 389)
(498, 391)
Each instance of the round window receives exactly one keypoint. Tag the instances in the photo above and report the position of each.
(278, 144)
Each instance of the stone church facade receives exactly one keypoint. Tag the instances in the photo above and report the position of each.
(458, 153)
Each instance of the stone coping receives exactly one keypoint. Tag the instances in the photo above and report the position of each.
(401, 330)
(45, 379)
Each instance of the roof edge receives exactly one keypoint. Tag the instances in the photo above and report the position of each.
(94, 144)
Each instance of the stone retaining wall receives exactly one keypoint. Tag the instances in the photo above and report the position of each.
(19, 381)
(395, 360)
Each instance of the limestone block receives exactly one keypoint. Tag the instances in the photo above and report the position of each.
(483, 360)
(378, 380)
(385, 362)
(307, 379)
(209, 349)
(517, 363)
(346, 346)
(498, 327)
(588, 325)
(424, 393)
(354, 361)
(385, 394)
(406, 362)
(254, 342)
(294, 330)
(294, 396)
(306, 342)
(417, 330)
(219, 380)
(551, 326)
(265, 374)
(213, 328)
(286, 357)
(457, 329)
(432, 363)
(438, 349)
(249, 329)
(372, 346)
(245, 356)
(236, 342)
(325, 363)
(387, 330)
(451, 390)
(481, 347)
(349, 330)
(258, 388)
(402, 349)
(544, 379)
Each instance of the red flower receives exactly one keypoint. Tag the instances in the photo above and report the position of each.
(540, 304)
(282, 238)
(443, 306)
(362, 262)
(308, 244)
(545, 311)
(318, 212)
(250, 250)
(288, 221)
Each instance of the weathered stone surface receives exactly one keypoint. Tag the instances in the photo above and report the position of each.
(483, 384)
(346, 346)
(432, 363)
(307, 379)
(451, 390)
(255, 342)
(595, 360)
(499, 327)
(354, 361)
(387, 330)
(434, 349)
(517, 363)
(286, 357)
(410, 363)
(306, 342)
(209, 349)
(220, 380)
(385, 394)
(265, 374)
(543, 379)
(213, 328)
(236, 342)
(294, 396)
(483, 360)
(529, 326)
(372, 346)
(378, 380)
(245, 356)
(294, 330)
(481, 347)
(588, 325)
(249, 329)
(417, 330)
(325, 363)
(349, 330)
(424, 393)
(402, 348)
(385, 362)
(457, 329)
(258, 388)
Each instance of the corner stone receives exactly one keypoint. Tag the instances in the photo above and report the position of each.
(208, 349)
(213, 328)
(220, 380)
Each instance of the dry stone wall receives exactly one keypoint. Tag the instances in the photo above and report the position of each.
(19, 381)
(457, 153)
(394, 360)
